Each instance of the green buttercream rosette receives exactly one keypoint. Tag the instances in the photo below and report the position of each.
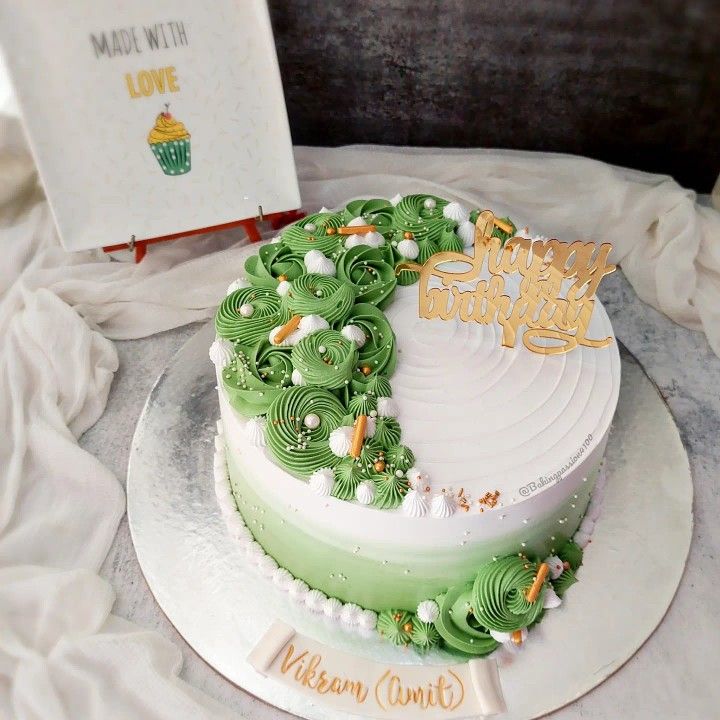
(367, 271)
(387, 431)
(267, 314)
(348, 475)
(326, 359)
(572, 554)
(424, 636)
(389, 490)
(362, 403)
(257, 376)
(395, 626)
(378, 353)
(449, 241)
(376, 211)
(499, 594)
(273, 260)
(320, 295)
(378, 385)
(297, 448)
(424, 223)
(458, 626)
(300, 239)
(399, 458)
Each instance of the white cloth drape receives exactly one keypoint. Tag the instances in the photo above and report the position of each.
(63, 655)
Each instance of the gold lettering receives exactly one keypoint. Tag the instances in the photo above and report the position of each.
(321, 682)
(546, 267)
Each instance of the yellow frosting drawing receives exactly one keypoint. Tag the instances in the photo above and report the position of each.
(170, 143)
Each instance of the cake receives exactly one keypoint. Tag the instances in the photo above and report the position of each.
(397, 473)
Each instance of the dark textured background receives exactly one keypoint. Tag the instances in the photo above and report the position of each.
(632, 83)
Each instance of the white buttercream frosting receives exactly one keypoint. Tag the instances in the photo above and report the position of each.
(283, 288)
(355, 334)
(408, 249)
(428, 611)
(582, 539)
(307, 326)
(551, 599)
(395, 199)
(414, 504)
(587, 525)
(466, 232)
(297, 378)
(455, 211)
(370, 426)
(316, 262)
(314, 600)
(367, 620)
(555, 564)
(371, 239)
(267, 565)
(442, 505)
(255, 430)
(331, 607)
(237, 284)
(340, 440)
(417, 479)
(298, 590)
(221, 353)
(365, 492)
(322, 481)
(282, 578)
(506, 639)
(312, 323)
(387, 407)
(350, 613)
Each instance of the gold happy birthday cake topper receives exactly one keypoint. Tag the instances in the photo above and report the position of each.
(540, 305)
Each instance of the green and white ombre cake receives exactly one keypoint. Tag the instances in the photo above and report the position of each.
(399, 473)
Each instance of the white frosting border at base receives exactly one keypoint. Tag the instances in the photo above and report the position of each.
(347, 616)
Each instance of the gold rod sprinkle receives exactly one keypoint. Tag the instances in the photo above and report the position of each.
(290, 326)
(355, 230)
(534, 590)
(358, 436)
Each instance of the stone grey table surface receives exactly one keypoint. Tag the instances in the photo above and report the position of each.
(674, 673)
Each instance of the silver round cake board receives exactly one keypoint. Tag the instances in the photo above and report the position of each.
(222, 605)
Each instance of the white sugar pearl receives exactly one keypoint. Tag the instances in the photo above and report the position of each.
(247, 310)
(311, 227)
(429, 203)
(311, 421)
(399, 473)
(322, 349)
(318, 293)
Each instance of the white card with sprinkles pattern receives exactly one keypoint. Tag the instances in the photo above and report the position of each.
(151, 119)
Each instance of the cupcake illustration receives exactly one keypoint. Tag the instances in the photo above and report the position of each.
(170, 143)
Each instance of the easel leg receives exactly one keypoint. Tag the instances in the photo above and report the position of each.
(251, 229)
(140, 250)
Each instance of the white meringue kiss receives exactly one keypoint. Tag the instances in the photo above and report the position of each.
(316, 262)
(221, 353)
(340, 440)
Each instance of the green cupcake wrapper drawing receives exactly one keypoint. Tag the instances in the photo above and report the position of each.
(173, 156)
